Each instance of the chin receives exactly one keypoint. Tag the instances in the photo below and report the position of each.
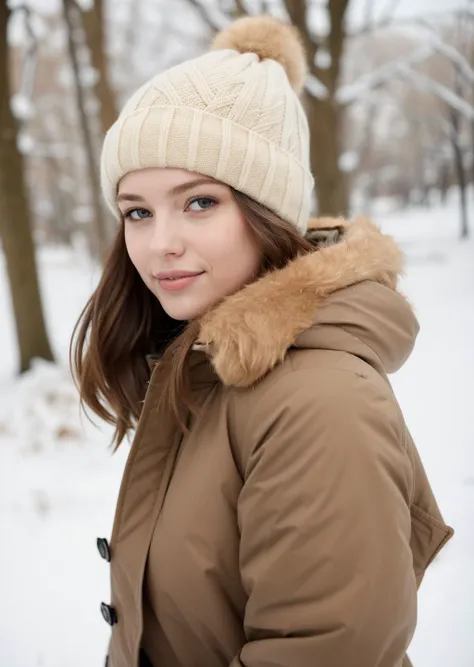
(184, 312)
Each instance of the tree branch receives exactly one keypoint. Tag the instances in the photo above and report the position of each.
(315, 88)
(30, 60)
(93, 26)
(241, 9)
(71, 16)
(297, 12)
(337, 34)
(450, 52)
(436, 123)
(389, 11)
(431, 86)
(385, 21)
(208, 16)
(351, 92)
(368, 12)
(385, 18)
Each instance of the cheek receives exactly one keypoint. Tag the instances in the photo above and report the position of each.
(131, 245)
(234, 253)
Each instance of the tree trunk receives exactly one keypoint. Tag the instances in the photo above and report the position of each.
(61, 225)
(422, 189)
(366, 157)
(460, 170)
(472, 152)
(443, 182)
(325, 115)
(461, 177)
(102, 236)
(93, 22)
(325, 149)
(15, 224)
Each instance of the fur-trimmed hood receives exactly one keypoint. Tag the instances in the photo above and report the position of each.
(342, 296)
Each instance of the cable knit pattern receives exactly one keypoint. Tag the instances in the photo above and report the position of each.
(227, 115)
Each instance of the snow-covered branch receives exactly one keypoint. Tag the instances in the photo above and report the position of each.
(210, 15)
(315, 88)
(424, 82)
(450, 52)
(21, 103)
(390, 9)
(384, 19)
(351, 92)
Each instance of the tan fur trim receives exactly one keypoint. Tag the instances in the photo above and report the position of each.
(328, 223)
(325, 231)
(251, 331)
(270, 38)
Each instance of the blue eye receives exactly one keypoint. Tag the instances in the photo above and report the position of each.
(198, 204)
(137, 214)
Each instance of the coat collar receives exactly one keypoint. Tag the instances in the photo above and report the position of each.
(250, 332)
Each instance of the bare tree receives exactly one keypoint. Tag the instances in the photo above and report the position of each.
(102, 237)
(458, 154)
(15, 223)
(453, 98)
(94, 28)
(325, 115)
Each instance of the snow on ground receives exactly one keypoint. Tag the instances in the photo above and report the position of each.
(436, 390)
(59, 481)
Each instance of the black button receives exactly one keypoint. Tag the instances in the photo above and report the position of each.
(109, 613)
(104, 549)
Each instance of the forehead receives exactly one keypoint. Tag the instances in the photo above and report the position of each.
(155, 180)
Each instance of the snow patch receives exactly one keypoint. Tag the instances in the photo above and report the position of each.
(26, 143)
(349, 161)
(316, 88)
(22, 107)
(42, 412)
(323, 58)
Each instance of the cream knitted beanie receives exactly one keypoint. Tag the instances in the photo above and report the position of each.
(232, 114)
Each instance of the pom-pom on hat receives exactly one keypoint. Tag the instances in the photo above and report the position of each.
(232, 114)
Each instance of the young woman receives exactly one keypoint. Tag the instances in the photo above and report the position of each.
(274, 510)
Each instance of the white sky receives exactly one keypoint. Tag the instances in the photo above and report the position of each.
(405, 8)
(409, 8)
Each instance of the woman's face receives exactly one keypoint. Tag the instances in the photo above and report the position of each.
(187, 238)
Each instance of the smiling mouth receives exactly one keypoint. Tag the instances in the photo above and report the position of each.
(176, 283)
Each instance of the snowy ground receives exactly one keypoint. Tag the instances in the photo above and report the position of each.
(59, 482)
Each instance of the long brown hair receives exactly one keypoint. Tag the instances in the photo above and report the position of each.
(123, 323)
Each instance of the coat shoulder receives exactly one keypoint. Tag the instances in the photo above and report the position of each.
(309, 391)
(336, 365)
(322, 374)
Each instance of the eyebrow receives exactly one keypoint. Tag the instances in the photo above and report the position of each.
(177, 190)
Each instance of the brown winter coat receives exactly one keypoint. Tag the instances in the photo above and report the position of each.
(292, 526)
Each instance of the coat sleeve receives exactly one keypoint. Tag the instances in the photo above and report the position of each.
(325, 525)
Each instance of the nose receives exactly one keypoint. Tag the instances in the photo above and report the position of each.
(166, 238)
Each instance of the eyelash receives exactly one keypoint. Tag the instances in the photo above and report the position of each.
(197, 198)
(127, 214)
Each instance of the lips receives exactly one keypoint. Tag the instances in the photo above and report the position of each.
(173, 281)
(176, 274)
